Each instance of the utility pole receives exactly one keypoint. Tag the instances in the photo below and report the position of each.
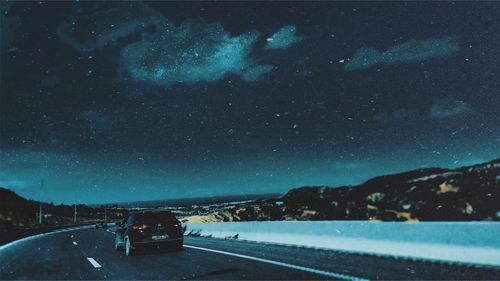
(74, 215)
(74, 212)
(40, 212)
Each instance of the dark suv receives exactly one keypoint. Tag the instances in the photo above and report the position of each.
(148, 228)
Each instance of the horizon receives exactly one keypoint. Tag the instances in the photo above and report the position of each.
(455, 166)
(122, 204)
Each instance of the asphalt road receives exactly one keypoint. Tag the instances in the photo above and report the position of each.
(89, 254)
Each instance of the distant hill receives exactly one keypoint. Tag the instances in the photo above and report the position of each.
(9, 199)
(188, 202)
(14, 208)
(431, 194)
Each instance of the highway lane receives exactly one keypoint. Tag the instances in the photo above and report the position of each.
(89, 254)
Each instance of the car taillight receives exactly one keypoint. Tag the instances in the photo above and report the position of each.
(177, 224)
(139, 227)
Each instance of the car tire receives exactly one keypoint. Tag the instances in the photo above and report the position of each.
(179, 245)
(129, 251)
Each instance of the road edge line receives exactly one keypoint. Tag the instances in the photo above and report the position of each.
(283, 264)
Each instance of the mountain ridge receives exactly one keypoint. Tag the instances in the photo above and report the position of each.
(468, 193)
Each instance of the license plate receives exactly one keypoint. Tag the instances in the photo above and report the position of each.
(159, 237)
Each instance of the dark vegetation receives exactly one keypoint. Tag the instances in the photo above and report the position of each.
(464, 194)
(18, 212)
(19, 217)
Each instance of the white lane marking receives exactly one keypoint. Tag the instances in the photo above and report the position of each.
(113, 232)
(297, 267)
(94, 263)
(74, 243)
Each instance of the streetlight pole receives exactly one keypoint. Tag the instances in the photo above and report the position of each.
(74, 212)
(40, 212)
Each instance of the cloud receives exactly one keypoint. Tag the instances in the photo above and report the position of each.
(15, 184)
(254, 73)
(193, 52)
(448, 107)
(409, 51)
(88, 32)
(283, 38)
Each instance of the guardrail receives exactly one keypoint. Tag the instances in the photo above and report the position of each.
(461, 242)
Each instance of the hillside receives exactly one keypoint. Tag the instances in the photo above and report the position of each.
(17, 212)
(9, 199)
(431, 194)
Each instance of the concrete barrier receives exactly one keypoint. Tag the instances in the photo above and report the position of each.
(462, 242)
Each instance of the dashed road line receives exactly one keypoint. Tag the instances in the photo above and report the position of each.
(94, 263)
(74, 243)
(283, 264)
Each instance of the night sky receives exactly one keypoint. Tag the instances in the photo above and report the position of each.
(110, 102)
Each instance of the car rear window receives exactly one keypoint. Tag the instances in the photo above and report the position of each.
(154, 217)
